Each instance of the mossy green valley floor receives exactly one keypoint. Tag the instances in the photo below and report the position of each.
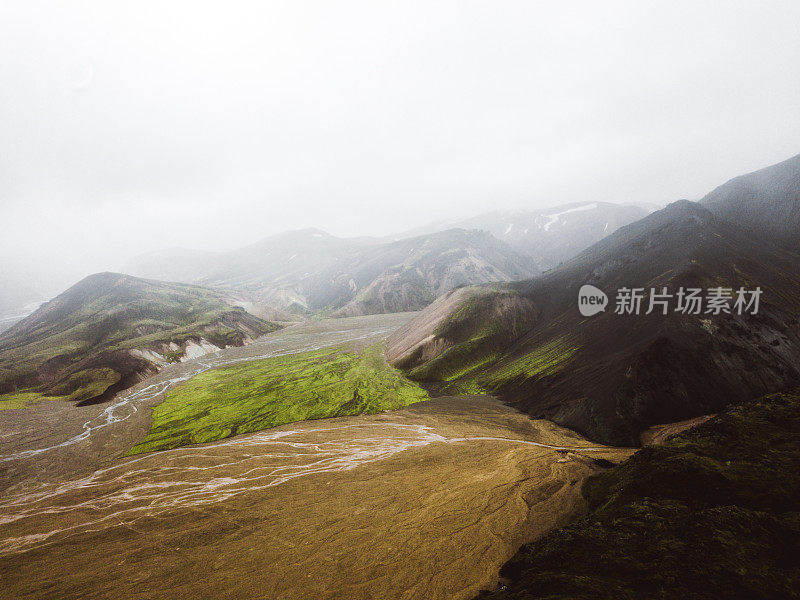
(21, 399)
(266, 393)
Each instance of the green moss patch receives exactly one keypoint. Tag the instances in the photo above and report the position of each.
(21, 399)
(257, 395)
(547, 359)
(490, 372)
(480, 355)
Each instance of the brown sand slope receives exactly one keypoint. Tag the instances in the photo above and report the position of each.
(426, 502)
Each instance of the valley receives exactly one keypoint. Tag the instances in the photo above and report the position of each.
(427, 501)
(57, 437)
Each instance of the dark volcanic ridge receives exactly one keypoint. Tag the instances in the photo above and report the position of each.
(766, 202)
(610, 376)
(711, 513)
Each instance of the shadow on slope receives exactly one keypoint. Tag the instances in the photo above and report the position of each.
(712, 513)
(610, 376)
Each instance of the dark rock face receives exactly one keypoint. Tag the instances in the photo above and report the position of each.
(710, 513)
(131, 370)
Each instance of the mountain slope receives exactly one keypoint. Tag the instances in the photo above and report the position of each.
(610, 376)
(108, 330)
(766, 201)
(711, 513)
(409, 274)
(310, 271)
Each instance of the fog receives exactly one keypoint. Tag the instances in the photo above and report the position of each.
(128, 127)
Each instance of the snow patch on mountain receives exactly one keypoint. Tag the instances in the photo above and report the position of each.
(553, 219)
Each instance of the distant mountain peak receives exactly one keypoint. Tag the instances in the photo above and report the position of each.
(313, 232)
(309, 270)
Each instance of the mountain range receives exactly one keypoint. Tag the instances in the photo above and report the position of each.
(516, 333)
(612, 375)
(310, 271)
(109, 330)
(701, 513)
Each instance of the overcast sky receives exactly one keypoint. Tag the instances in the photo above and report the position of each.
(131, 126)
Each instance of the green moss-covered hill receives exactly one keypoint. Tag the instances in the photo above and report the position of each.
(85, 344)
(712, 513)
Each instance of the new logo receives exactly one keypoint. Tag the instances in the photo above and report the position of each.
(591, 300)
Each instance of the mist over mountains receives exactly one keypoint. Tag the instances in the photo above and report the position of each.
(109, 330)
(498, 317)
(766, 202)
(611, 376)
(310, 270)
